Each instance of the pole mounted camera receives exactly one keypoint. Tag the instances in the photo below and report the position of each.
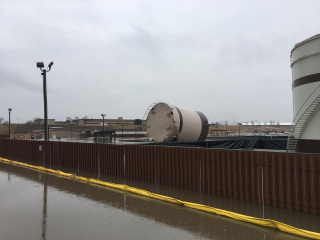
(50, 65)
(10, 109)
(40, 65)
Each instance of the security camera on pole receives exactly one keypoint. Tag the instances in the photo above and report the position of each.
(44, 74)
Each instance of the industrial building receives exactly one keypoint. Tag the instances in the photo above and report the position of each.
(90, 121)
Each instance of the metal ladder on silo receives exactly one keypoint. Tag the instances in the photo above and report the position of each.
(298, 129)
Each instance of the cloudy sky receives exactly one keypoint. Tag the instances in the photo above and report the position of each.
(227, 59)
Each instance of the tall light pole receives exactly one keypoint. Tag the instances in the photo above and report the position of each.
(44, 74)
(239, 127)
(103, 115)
(227, 128)
(10, 109)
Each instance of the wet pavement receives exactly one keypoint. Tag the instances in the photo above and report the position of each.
(36, 205)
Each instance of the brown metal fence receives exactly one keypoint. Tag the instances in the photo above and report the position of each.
(102, 158)
(277, 179)
(2, 136)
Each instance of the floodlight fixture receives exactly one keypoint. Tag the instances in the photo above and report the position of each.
(40, 65)
(10, 109)
(50, 65)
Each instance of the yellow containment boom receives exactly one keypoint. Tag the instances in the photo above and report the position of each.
(258, 221)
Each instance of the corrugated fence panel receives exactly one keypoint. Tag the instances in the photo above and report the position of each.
(140, 163)
(178, 167)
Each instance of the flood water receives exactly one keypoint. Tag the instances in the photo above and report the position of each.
(37, 205)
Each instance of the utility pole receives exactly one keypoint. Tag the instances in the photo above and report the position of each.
(45, 103)
(103, 115)
(44, 74)
(227, 128)
(10, 109)
(71, 131)
(239, 128)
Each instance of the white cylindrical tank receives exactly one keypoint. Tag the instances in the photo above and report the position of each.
(167, 123)
(305, 65)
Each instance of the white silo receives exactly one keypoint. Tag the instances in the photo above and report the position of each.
(305, 65)
(168, 123)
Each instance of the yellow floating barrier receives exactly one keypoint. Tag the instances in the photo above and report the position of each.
(258, 221)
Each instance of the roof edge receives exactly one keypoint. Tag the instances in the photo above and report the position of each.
(305, 41)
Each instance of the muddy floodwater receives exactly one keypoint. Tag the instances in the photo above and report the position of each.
(35, 205)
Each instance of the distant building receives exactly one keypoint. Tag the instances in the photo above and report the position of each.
(93, 122)
(62, 123)
(25, 136)
(40, 121)
(108, 134)
(268, 124)
(110, 122)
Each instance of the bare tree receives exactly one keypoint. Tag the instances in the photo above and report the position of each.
(137, 122)
(76, 118)
(36, 119)
(1, 120)
(68, 119)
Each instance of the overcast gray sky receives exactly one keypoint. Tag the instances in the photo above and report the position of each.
(227, 59)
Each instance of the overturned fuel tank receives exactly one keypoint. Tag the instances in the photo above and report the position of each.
(168, 123)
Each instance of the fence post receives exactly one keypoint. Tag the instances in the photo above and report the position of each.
(262, 193)
(43, 154)
(98, 165)
(155, 164)
(50, 154)
(124, 161)
(199, 157)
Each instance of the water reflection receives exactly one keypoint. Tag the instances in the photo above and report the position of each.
(297, 219)
(72, 203)
(44, 212)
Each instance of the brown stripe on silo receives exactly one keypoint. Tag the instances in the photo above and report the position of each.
(306, 79)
